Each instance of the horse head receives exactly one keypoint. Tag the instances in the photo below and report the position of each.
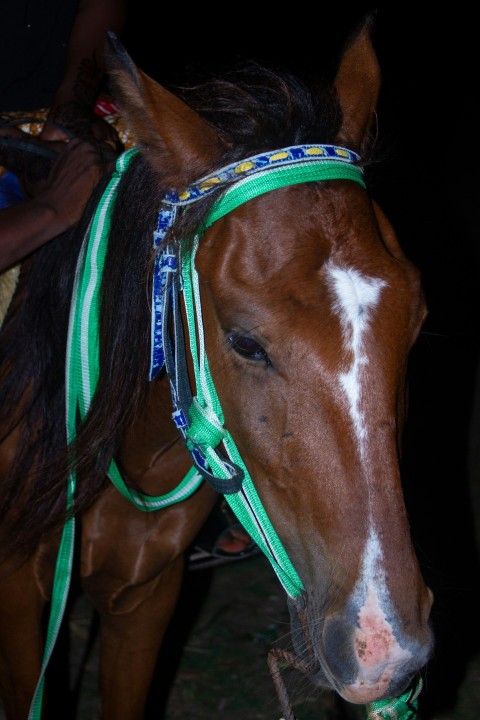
(310, 309)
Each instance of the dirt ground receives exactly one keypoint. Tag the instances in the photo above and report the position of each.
(215, 661)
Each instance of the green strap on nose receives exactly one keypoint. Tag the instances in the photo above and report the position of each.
(205, 428)
(403, 707)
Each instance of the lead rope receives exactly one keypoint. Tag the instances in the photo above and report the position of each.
(403, 707)
(81, 377)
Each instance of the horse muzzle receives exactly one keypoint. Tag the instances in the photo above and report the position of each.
(363, 656)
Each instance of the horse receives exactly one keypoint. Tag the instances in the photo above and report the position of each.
(253, 315)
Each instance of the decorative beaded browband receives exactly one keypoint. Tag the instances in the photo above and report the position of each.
(319, 162)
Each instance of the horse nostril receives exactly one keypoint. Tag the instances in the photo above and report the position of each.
(337, 642)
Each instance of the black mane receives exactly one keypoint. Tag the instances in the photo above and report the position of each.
(254, 110)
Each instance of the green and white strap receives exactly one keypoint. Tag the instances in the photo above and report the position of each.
(403, 707)
(246, 503)
(81, 377)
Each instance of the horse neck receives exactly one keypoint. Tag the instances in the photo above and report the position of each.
(152, 453)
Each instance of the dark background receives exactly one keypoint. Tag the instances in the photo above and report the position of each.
(428, 185)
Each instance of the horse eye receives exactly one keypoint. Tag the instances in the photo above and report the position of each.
(247, 347)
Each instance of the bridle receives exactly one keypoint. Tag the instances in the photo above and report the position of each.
(199, 418)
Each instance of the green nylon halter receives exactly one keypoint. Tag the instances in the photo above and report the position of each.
(206, 412)
(246, 504)
(403, 707)
(314, 170)
(82, 373)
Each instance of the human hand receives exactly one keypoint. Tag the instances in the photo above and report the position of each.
(29, 157)
(71, 181)
(73, 120)
(57, 206)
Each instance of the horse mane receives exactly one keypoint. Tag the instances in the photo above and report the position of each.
(254, 109)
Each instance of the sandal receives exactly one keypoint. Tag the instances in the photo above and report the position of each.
(222, 540)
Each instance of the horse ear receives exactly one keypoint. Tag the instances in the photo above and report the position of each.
(177, 141)
(357, 83)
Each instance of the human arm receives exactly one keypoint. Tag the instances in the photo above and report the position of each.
(71, 110)
(58, 205)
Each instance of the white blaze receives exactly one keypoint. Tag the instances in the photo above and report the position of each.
(378, 651)
(356, 297)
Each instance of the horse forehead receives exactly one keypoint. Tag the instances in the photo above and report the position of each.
(355, 293)
(312, 259)
(306, 241)
(300, 226)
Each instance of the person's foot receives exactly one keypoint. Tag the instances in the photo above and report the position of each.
(222, 540)
(234, 540)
